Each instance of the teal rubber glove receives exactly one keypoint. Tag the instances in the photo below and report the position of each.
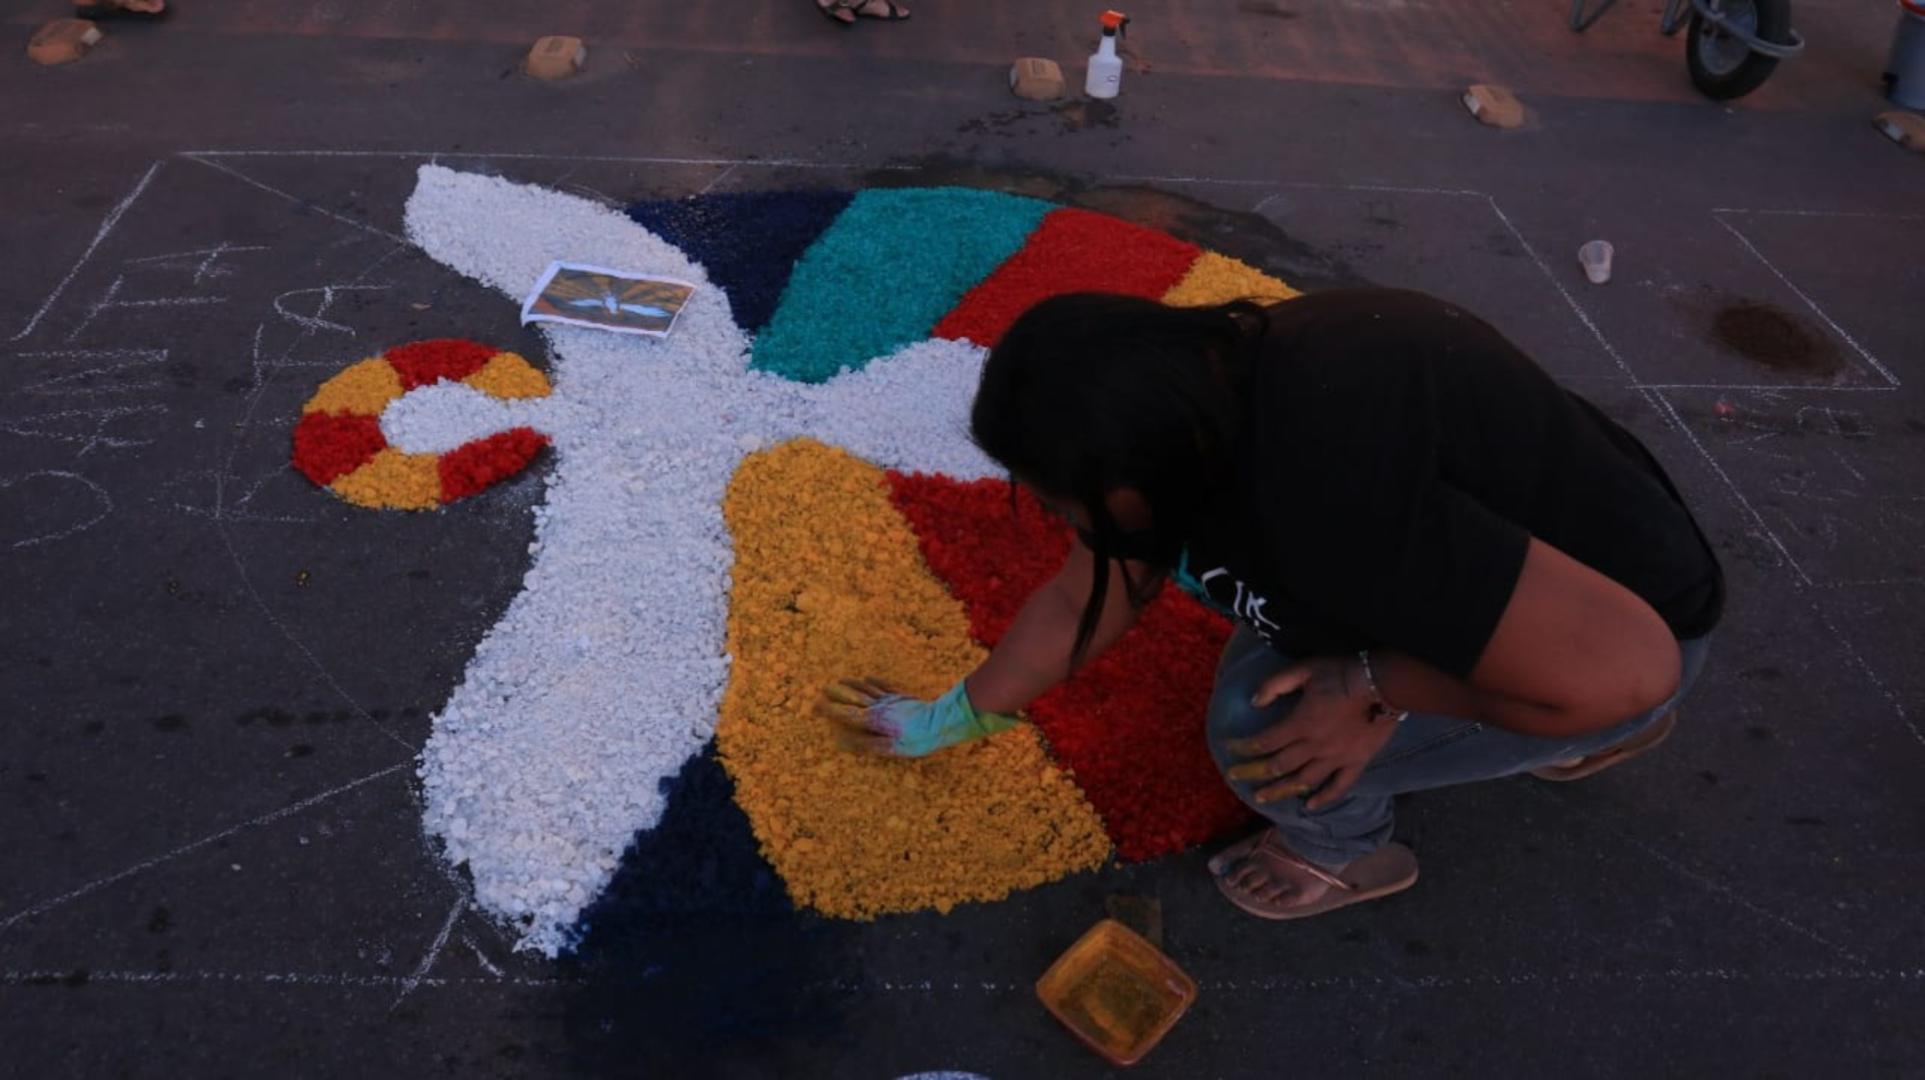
(872, 717)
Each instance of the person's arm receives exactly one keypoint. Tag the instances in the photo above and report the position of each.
(1574, 652)
(1035, 654)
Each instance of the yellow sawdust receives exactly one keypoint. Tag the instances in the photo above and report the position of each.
(828, 583)
(507, 375)
(1219, 279)
(363, 388)
(393, 480)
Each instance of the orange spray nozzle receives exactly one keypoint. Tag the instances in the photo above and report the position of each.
(1115, 21)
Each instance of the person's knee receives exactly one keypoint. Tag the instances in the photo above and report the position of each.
(1232, 716)
(1244, 670)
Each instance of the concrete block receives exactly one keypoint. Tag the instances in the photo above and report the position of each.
(62, 41)
(1037, 79)
(1494, 105)
(556, 57)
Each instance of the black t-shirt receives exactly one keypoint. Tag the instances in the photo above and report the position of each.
(1397, 456)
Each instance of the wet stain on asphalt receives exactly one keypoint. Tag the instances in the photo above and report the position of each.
(1770, 336)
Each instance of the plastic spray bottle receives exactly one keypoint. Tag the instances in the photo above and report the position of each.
(1105, 76)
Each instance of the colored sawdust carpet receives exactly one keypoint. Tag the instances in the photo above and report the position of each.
(605, 674)
(339, 442)
(829, 581)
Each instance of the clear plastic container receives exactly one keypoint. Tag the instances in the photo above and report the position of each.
(1116, 992)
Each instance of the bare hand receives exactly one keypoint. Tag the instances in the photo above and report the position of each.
(1325, 743)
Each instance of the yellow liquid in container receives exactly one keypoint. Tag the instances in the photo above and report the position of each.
(1116, 992)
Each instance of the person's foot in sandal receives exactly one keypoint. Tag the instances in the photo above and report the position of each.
(1261, 875)
(845, 11)
(120, 9)
(1591, 764)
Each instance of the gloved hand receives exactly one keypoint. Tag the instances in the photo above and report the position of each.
(872, 717)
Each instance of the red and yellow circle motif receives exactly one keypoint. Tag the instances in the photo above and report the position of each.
(338, 443)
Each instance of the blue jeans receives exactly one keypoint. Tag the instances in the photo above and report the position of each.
(1428, 751)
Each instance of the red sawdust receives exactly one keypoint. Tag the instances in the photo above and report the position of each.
(328, 446)
(1130, 726)
(422, 362)
(1071, 251)
(472, 467)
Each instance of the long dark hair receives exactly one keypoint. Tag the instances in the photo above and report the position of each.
(1091, 392)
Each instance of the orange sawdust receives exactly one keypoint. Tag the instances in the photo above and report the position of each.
(392, 480)
(1219, 279)
(362, 388)
(828, 583)
(506, 375)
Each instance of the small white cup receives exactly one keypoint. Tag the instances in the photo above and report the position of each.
(1596, 259)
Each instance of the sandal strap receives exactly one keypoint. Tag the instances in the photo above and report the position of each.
(1273, 845)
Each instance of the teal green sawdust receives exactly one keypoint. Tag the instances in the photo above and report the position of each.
(886, 272)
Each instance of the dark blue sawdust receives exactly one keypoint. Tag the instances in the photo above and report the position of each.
(695, 950)
(748, 241)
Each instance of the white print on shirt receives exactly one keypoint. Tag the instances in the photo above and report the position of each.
(1245, 603)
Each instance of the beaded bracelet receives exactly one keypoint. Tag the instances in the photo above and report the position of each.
(1379, 706)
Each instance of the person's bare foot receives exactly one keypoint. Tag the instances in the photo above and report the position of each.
(1258, 872)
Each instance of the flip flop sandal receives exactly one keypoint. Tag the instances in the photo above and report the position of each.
(110, 10)
(840, 12)
(896, 11)
(1390, 869)
(1592, 764)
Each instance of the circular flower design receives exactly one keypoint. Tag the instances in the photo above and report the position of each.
(341, 445)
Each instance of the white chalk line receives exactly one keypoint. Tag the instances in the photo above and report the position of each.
(1871, 583)
(1576, 308)
(263, 377)
(102, 415)
(434, 951)
(261, 978)
(297, 200)
(229, 513)
(1808, 301)
(111, 301)
(129, 358)
(1294, 185)
(312, 323)
(719, 177)
(99, 493)
(1261, 984)
(1873, 214)
(482, 958)
(209, 256)
(798, 163)
(1474, 981)
(106, 226)
(1705, 881)
(168, 301)
(1670, 414)
(49, 904)
(620, 159)
(1864, 668)
(1774, 388)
